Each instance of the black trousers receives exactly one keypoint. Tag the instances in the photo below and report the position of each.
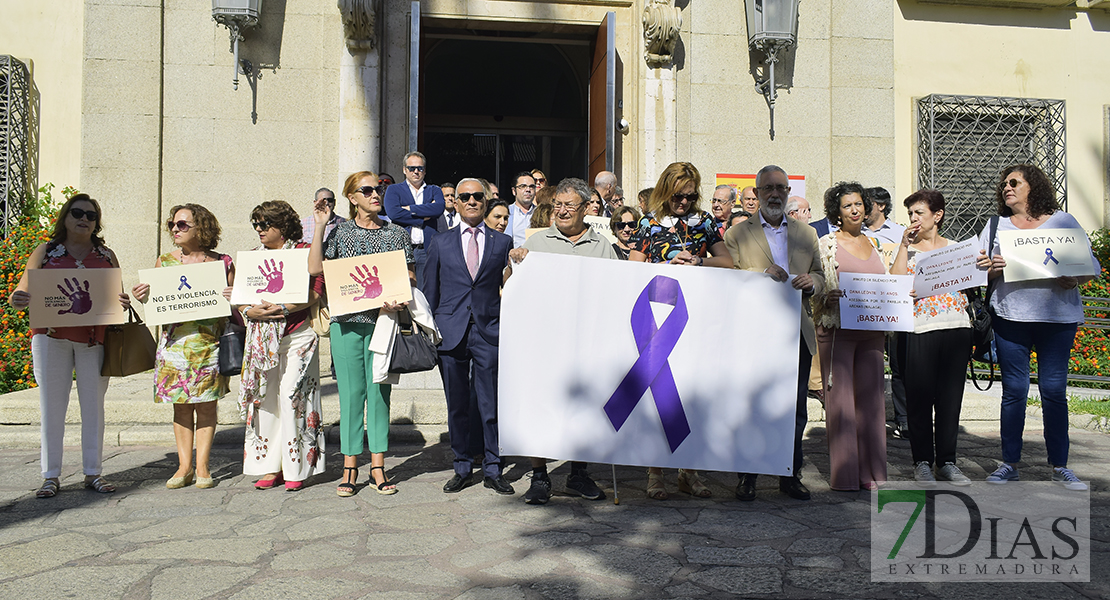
(934, 375)
(896, 355)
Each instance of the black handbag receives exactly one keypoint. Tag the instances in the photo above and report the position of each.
(128, 348)
(982, 334)
(232, 343)
(413, 350)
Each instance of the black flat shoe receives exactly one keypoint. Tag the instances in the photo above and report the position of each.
(456, 483)
(499, 485)
(745, 490)
(792, 486)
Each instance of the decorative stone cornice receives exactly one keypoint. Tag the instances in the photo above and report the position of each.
(358, 23)
(661, 24)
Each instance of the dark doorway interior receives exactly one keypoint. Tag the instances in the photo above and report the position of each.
(497, 103)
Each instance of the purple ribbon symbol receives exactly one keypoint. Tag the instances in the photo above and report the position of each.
(651, 368)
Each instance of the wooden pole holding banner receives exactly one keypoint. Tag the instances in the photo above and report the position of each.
(616, 496)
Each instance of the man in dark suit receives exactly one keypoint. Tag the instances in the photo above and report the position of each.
(783, 248)
(450, 216)
(462, 282)
(415, 206)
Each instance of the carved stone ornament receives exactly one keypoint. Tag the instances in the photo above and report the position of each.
(661, 24)
(358, 23)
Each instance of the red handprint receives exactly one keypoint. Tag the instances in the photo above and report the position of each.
(272, 273)
(82, 301)
(371, 285)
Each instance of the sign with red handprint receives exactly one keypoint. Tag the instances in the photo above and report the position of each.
(278, 276)
(75, 297)
(366, 282)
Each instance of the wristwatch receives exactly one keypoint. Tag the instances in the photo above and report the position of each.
(284, 310)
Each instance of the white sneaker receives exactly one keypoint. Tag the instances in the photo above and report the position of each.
(923, 474)
(1065, 476)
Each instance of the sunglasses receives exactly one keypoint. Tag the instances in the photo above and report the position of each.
(366, 190)
(466, 196)
(688, 197)
(541, 180)
(1011, 183)
(414, 169)
(180, 225)
(89, 215)
(625, 225)
(385, 182)
(261, 225)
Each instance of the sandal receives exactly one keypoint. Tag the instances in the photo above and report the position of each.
(656, 489)
(49, 489)
(100, 484)
(347, 489)
(382, 489)
(690, 483)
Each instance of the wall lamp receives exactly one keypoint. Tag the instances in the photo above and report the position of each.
(237, 16)
(772, 30)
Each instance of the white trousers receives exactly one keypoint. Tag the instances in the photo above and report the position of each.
(54, 363)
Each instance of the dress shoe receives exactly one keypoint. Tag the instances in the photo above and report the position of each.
(499, 485)
(745, 490)
(456, 483)
(792, 486)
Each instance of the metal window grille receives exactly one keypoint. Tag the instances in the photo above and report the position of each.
(15, 114)
(965, 141)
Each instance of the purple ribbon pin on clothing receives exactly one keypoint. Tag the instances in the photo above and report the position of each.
(651, 368)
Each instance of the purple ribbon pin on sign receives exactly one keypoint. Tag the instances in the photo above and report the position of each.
(651, 368)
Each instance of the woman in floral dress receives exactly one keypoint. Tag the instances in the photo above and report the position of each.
(186, 370)
(279, 396)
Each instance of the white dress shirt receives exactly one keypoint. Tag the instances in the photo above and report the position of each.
(466, 236)
(776, 239)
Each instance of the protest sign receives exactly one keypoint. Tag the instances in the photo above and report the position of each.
(876, 302)
(601, 226)
(277, 276)
(75, 297)
(626, 381)
(366, 282)
(1045, 254)
(185, 293)
(948, 269)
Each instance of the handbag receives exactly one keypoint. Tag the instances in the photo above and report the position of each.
(232, 343)
(413, 350)
(128, 348)
(319, 316)
(982, 333)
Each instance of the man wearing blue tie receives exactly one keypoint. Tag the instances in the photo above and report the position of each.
(416, 206)
(463, 277)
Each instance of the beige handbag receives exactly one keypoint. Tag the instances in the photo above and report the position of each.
(128, 348)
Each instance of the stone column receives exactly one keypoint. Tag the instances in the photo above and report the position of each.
(359, 89)
(659, 119)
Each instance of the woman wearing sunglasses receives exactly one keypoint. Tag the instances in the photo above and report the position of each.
(623, 224)
(279, 396)
(186, 368)
(59, 352)
(1037, 314)
(363, 404)
(678, 232)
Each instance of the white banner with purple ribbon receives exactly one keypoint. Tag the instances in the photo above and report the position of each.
(618, 362)
(1045, 254)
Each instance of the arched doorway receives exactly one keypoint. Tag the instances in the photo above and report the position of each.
(494, 103)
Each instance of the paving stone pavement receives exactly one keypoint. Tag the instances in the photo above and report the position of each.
(233, 542)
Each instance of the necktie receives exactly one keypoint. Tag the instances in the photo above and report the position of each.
(472, 253)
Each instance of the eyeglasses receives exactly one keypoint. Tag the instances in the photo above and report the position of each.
(414, 168)
(525, 186)
(558, 206)
(89, 215)
(722, 201)
(329, 198)
(366, 190)
(180, 225)
(466, 196)
(773, 187)
(693, 197)
(625, 225)
(1012, 183)
(261, 225)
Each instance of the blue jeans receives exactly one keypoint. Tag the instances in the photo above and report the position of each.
(1053, 343)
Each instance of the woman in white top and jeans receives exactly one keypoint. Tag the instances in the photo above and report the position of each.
(1042, 314)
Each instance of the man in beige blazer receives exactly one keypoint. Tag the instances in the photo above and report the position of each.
(785, 249)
